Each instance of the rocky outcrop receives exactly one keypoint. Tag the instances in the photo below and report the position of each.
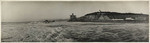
(110, 16)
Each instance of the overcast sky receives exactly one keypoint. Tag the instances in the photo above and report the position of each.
(34, 11)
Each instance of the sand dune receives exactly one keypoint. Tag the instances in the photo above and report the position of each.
(75, 32)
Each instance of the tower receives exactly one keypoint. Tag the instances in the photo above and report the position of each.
(102, 16)
(100, 11)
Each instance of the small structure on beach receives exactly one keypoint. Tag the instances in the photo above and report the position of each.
(48, 21)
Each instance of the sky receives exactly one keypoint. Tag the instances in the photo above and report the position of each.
(21, 11)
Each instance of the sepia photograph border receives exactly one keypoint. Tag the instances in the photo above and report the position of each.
(71, 0)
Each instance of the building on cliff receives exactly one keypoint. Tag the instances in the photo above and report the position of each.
(109, 16)
(73, 17)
